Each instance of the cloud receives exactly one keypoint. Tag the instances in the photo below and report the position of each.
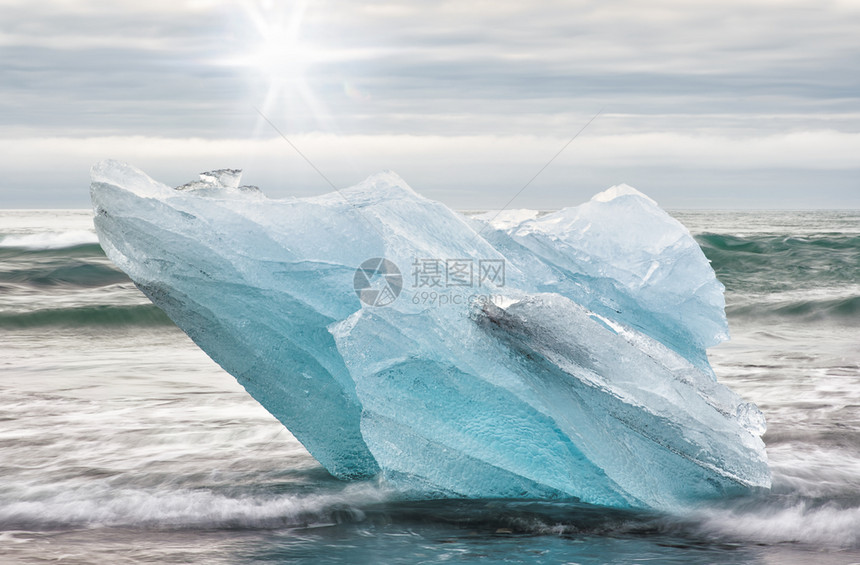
(817, 150)
(443, 91)
(470, 60)
(463, 171)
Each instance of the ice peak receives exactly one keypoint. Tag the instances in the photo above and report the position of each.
(619, 190)
(506, 219)
(226, 178)
(120, 174)
(218, 183)
(389, 182)
(382, 186)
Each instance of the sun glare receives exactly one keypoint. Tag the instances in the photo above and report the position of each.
(281, 56)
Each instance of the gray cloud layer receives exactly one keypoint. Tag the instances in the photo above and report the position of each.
(692, 78)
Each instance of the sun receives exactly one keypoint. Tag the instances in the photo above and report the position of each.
(282, 54)
(277, 51)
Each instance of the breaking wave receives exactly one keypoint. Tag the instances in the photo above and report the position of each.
(809, 308)
(50, 240)
(70, 273)
(186, 509)
(86, 316)
(773, 263)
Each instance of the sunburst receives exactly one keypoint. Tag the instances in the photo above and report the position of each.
(279, 53)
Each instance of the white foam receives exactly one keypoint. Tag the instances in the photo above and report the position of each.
(185, 508)
(827, 525)
(50, 240)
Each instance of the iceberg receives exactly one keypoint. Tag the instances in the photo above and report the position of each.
(558, 356)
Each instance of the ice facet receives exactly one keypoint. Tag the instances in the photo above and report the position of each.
(554, 356)
(625, 258)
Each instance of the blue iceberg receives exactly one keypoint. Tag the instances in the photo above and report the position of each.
(557, 356)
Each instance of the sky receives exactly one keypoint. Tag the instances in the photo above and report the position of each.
(732, 104)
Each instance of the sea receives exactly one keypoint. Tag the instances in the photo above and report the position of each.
(122, 442)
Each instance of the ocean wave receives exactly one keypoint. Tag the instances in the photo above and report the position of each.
(372, 502)
(82, 265)
(70, 273)
(814, 500)
(828, 525)
(809, 308)
(771, 263)
(764, 521)
(49, 240)
(775, 243)
(186, 509)
(86, 316)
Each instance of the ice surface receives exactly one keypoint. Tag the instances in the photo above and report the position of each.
(623, 257)
(505, 219)
(545, 356)
(218, 183)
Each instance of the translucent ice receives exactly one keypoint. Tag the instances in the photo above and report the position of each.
(545, 356)
(623, 257)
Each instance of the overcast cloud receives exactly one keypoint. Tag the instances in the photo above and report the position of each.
(706, 104)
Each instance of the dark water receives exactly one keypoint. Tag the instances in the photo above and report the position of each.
(120, 442)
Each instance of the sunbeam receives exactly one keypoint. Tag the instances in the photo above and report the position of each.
(279, 53)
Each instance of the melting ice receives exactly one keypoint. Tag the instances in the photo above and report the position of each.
(527, 356)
